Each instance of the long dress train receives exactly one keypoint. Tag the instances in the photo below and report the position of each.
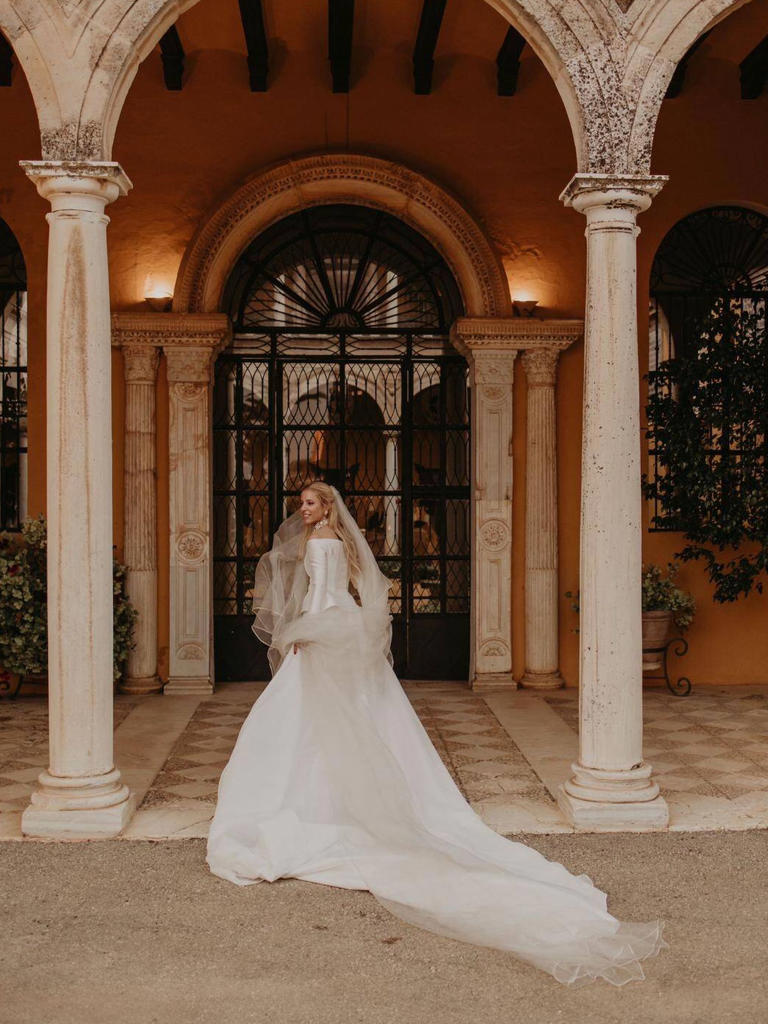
(334, 780)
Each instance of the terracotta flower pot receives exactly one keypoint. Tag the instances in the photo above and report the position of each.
(657, 627)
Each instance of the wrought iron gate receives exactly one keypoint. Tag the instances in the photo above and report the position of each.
(341, 370)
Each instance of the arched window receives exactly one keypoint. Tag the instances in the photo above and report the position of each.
(340, 369)
(708, 369)
(13, 382)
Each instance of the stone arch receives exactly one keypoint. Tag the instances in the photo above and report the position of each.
(663, 34)
(341, 178)
(80, 64)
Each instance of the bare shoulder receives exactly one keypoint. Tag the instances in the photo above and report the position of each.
(326, 533)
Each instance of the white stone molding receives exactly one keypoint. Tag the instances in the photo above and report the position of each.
(542, 670)
(140, 360)
(611, 786)
(342, 178)
(190, 347)
(81, 794)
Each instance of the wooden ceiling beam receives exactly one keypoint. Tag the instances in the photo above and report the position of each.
(508, 62)
(6, 61)
(173, 59)
(252, 17)
(426, 41)
(753, 71)
(677, 81)
(341, 17)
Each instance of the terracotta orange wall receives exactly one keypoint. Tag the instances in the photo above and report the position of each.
(507, 160)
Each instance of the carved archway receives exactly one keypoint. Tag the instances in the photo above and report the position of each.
(341, 178)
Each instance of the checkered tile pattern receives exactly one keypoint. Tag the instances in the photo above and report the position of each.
(712, 744)
(480, 756)
(24, 746)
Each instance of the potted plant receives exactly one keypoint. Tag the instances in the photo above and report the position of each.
(664, 603)
(23, 600)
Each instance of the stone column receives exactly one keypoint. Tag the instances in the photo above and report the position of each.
(81, 794)
(189, 386)
(140, 504)
(611, 785)
(542, 671)
(491, 355)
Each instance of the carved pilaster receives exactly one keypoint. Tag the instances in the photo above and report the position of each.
(541, 560)
(190, 342)
(491, 346)
(189, 387)
(140, 544)
(491, 361)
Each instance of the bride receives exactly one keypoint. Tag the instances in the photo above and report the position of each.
(334, 780)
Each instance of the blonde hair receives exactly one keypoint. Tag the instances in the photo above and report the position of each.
(325, 494)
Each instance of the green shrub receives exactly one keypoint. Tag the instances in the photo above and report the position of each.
(23, 598)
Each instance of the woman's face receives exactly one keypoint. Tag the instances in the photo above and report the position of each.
(311, 508)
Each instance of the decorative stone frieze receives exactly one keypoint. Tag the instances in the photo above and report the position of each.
(611, 785)
(81, 793)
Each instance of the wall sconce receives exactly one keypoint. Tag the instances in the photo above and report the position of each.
(159, 303)
(157, 296)
(524, 307)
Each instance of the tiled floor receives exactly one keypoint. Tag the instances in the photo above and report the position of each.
(24, 746)
(712, 744)
(507, 752)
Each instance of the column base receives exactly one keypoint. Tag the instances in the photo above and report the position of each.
(542, 680)
(92, 807)
(185, 685)
(140, 686)
(631, 816)
(601, 799)
(490, 681)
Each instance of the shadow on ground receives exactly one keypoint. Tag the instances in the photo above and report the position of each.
(142, 933)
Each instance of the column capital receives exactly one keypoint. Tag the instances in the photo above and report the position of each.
(540, 365)
(104, 180)
(140, 362)
(189, 340)
(632, 192)
(477, 335)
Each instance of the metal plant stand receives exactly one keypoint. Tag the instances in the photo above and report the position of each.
(682, 686)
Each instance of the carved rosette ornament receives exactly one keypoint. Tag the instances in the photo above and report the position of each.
(191, 546)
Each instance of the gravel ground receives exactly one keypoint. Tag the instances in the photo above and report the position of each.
(142, 933)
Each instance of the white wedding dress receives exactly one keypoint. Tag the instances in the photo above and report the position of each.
(334, 780)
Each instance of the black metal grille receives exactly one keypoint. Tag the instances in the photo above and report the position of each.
(341, 370)
(13, 382)
(709, 285)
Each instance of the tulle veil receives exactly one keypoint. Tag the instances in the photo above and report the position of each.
(280, 585)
